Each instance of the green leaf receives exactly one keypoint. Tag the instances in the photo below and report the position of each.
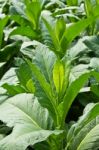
(70, 33)
(91, 140)
(45, 86)
(18, 19)
(39, 76)
(33, 11)
(74, 89)
(3, 23)
(31, 122)
(44, 59)
(76, 28)
(50, 25)
(24, 74)
(84, 134)
(30, 86)
(46, 38)
(24, 31)
(13, 89)
(60, 28)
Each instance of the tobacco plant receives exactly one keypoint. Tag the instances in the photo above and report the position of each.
(38, 91)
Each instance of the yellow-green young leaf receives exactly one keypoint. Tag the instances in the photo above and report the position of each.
(30, 86)
(58, 75)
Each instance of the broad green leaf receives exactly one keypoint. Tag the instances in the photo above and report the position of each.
(46, 38)
(91, 140)
(31, 123)
(74, 89)
(85, 131)
(45, 86)
(43, 83)
(44, 59)
(48, 21)
(58, 76)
